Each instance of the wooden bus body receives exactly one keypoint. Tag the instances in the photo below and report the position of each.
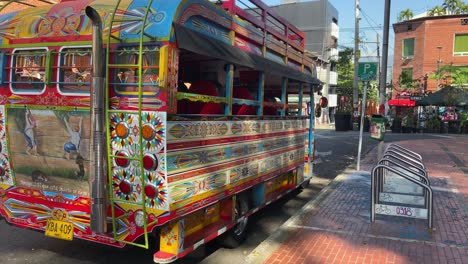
(197, 132)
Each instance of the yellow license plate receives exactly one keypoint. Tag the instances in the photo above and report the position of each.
(59, 229)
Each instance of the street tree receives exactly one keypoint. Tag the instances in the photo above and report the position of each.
(404, 15)
(453, 7)
(436, 11)
(345, 71)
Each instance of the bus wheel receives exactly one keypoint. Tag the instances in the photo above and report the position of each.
(236, 235)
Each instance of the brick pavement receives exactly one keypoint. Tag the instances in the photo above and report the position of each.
(336, 228)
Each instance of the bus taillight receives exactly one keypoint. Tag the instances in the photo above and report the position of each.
(124, 161)
(150, 162)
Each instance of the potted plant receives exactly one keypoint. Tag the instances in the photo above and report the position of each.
(463, 122)
(343, 114)
(433, 124)
(366, 123)
(396, 125)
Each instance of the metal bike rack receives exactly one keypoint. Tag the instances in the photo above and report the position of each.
(408, 151)
(406, 158)
(409, 165)
(399, 183)
(422, 177)
(400, 186)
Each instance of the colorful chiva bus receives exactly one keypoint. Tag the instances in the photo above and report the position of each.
(126, 120)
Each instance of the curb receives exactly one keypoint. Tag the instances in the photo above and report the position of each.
(263, 251)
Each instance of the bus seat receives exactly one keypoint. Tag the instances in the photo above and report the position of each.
(205, 88)
(242, 93)
(268, 110)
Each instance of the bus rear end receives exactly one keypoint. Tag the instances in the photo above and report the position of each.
(45, 122)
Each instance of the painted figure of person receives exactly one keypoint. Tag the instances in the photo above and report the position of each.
(81, 171)
(73, 146)
(30, 124)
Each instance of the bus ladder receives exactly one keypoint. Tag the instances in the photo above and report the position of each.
(401, 187)
(115, 23)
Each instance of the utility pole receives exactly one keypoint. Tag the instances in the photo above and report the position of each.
(378, 56)
(356, 55)
(383, 72)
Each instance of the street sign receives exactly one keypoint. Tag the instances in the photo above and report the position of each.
(367, 71)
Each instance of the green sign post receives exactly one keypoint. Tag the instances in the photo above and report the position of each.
(367, 71)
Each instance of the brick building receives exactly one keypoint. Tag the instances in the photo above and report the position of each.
(424, 44)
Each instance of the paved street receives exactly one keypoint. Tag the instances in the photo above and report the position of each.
(336, 151)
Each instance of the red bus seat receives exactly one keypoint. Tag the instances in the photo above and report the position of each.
(205, 88)
(242, 93)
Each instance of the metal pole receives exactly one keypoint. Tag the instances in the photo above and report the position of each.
(363, 111)
(356, 55)
(383, 72)
(98, 166)
(438, 68)
(373, 193)
(311, 131)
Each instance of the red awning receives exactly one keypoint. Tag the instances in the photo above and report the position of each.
(401, 102)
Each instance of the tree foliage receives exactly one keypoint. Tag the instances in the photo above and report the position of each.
(454, 7)
(345, 69)
(452, 75)
(404, 15)
(436, 11)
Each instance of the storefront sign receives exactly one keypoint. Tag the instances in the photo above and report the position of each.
(415, 98)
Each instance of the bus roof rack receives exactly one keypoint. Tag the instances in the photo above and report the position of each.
(5, 3)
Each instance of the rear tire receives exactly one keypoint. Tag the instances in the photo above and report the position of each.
(237, 234)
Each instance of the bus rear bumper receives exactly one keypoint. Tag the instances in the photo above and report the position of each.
(164, 257)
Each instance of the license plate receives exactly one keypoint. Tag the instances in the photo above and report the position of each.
(59, 229)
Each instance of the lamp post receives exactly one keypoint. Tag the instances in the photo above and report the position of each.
(438, 68)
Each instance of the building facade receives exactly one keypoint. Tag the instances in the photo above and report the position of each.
(426, 46)
(319, 21)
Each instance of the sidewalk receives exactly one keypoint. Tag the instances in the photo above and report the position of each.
(336, 227)
(325, 126)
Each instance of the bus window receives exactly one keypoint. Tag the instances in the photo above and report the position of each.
(28, 69)
(74, 71)
(126, 77)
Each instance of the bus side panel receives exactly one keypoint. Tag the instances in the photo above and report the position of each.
(210, 160)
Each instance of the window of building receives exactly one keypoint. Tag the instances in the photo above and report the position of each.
(461, 45)
(408, 48)
(75, 70)
(406, 78)
(28, 70)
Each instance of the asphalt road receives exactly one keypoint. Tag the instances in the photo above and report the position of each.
(336, 151)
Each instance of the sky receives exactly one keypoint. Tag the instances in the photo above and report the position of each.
(372, 20)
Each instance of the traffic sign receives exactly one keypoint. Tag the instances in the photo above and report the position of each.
(367, 71)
